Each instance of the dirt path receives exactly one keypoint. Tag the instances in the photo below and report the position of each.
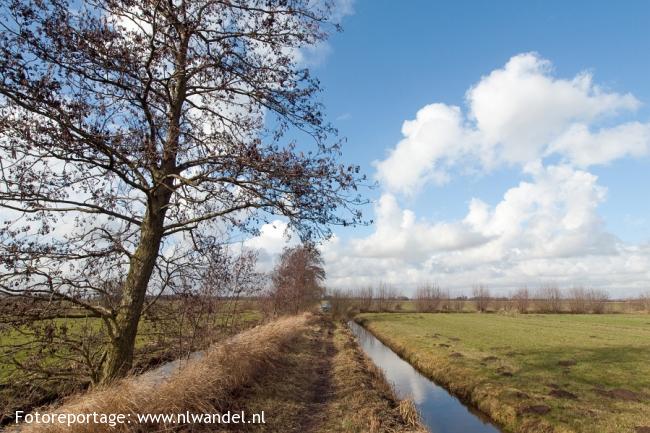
(296, 391)
(324, 384)
(321, 389)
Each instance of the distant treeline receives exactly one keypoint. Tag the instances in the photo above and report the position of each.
(432, 298)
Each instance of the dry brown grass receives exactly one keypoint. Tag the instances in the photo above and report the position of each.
(362, 400)
(409, 412)
(306, 373)
(325, 384)
(204, 386)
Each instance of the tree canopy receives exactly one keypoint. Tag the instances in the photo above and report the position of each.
(298, 279)
(131, 131)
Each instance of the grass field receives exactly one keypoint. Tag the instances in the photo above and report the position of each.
(146, 335)
(533, 373)
(496, 305)
(152, 348)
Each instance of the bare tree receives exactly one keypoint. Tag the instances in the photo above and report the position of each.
(521, 300)
(597, 300)
(644, 301)
(501, 303)
(381, 296)
(549, 298)
(482, 297)
(578, 300)
(297, 279)
(386, 297)
(366, 297)
(456, 303)
(131, 128)
(341, 303)
(428, 297)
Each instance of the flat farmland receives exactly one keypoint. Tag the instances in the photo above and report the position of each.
(533, 372)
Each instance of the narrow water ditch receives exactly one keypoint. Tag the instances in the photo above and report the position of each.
(441, 412)
(164, 371)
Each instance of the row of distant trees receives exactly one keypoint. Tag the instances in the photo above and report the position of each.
(431, 297)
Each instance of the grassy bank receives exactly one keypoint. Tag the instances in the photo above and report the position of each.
(533, 373)
(203, 386)
(23, 389)
(306, 373)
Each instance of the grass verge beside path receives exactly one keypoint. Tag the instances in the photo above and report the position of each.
(533, 373)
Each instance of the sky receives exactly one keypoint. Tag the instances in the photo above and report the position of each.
(509, 141)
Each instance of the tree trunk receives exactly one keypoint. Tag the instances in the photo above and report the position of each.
(119, 354)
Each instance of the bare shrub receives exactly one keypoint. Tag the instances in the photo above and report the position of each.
(644, 301)
(457, 304)
(597, 301)
(385, 294)
(521, 300)
(549, 299)
(501, 303)
(445, 302)
(508, 305)
(428, 298)
(395, 299)
(386, 298)
(341, 303)
(578, 300)
(481, 296)
(365, 297)
(582, 301)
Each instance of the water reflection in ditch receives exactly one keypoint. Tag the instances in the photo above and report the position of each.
(163, 372)
(441, 412)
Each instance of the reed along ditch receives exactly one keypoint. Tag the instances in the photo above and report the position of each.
(440, 411)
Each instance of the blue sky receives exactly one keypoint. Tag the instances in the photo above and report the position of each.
(530, 115)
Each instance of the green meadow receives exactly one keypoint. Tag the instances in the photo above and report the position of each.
(533, 372)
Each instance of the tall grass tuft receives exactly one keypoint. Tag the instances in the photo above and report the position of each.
(409, 412)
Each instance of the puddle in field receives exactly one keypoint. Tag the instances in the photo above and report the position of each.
(441, 412)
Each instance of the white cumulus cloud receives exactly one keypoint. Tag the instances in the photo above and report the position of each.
(434, 139)
(398, 234)
(516, 114)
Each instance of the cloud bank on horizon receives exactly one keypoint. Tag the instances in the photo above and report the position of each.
(546, 229)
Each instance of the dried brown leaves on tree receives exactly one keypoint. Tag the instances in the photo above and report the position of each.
(297, 281)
